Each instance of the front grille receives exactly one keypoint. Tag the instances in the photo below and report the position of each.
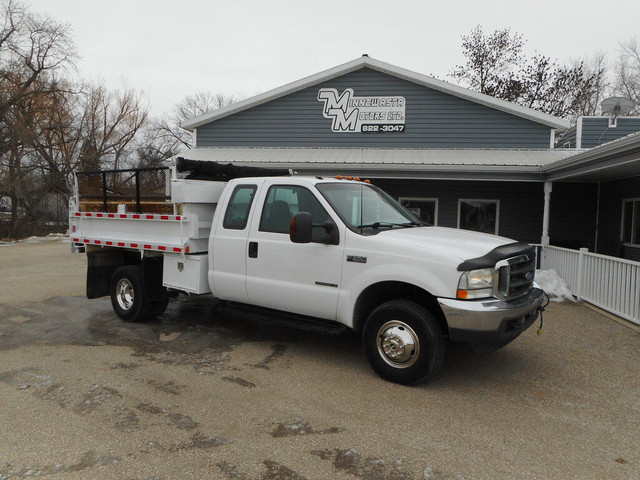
(516, 278)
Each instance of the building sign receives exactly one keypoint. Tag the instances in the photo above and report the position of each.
(351, 114)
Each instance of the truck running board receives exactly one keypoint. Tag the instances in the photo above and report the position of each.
(291, 320)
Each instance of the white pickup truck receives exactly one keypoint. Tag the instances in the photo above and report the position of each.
(318, 252)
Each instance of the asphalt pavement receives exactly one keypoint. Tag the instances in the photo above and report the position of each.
(200, 394)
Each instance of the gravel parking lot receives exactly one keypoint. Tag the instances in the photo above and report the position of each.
(202, 394)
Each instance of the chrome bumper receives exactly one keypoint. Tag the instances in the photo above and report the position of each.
(491, 321)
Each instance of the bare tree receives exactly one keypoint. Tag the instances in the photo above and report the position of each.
(34, 49)
(491, 59)
(164, 137)
(31, 46)
(200, 103)
(627, 72)
(497, 66)
(111, 121)
(596, 67)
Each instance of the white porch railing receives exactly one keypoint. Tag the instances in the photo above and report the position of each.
(610, 283)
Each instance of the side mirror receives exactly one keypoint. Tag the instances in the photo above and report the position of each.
(301, 228)
(332, 236)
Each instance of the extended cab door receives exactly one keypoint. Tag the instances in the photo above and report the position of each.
(302, 278)
(229, 240)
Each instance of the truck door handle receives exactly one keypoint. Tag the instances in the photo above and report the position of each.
(253, 249)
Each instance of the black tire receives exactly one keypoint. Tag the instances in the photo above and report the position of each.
(127, 294)
(157, 308)
(403, 342)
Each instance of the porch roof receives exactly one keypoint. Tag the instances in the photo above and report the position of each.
(463, 164)
(610, 161)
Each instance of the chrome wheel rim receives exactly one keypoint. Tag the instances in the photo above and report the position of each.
(398, 344)
(125, 294)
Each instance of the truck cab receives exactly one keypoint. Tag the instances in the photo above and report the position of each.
(338, 250)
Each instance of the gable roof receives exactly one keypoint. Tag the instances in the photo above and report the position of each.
(367, 62)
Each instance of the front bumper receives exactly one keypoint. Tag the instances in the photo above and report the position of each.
(491, 321)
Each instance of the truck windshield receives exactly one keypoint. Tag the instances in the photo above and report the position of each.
(365, 208)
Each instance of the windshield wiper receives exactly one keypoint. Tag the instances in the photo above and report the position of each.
(376, 225)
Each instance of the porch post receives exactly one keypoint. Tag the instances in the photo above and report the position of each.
(548, 187)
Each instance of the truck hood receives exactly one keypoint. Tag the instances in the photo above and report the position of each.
(462, 244)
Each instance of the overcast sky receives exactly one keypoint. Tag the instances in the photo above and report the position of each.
(170, 49)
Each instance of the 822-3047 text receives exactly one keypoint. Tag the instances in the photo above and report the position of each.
(382, 128)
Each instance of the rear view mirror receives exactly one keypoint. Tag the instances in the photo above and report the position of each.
(301, 228)
(332, 237)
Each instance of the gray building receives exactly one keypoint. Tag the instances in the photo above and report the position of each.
(455, 157)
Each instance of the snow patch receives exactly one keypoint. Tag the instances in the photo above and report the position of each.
(61, 237)
(554, 285)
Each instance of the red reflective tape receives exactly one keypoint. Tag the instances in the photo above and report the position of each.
(178, 217)
(148, 247)
(123, 215)
(111, 215)
(88, 214)
(135, 216)
(86, 240)
(176, 249)
(164, 217)
(160, 247)
(134, 245)
(76, 239)
(78, 214)
(99, 215)
(109, 243)
(121, 244)
(149, 217)
(97, 242)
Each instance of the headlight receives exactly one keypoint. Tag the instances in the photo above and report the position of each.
(476, 284)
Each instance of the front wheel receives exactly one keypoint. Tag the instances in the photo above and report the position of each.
(403, 342)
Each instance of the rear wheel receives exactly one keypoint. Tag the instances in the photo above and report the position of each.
(403, 342)
(158, 307)
(127, 294)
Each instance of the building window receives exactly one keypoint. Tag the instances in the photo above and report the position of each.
(631, 221)
(426, 209)
(479, 215)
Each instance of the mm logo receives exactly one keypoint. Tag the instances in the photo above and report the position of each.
(351, 114)
(336, 108)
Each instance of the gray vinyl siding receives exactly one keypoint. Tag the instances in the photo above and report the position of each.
(433, 120)
(572, 221)
(568, 139)
(596, 130)
(521, 203)
(610, 220)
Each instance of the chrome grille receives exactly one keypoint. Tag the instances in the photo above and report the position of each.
(516, 277)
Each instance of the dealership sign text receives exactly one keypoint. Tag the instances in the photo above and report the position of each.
(351, 114)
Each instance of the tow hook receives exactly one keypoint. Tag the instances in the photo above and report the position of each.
(541, 309)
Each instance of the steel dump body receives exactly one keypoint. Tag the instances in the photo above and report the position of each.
(177, 225)
(186, 232)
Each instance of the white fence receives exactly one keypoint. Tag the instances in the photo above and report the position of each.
(610, 283)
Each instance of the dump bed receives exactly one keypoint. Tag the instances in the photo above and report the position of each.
(143, 209)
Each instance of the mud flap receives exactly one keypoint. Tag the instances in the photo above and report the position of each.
(152, 275)
(101, 265)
